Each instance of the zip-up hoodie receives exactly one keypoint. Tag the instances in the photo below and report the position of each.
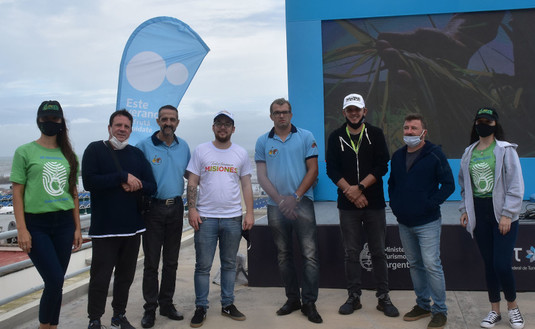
(416, 194)
(372, 158)
(508, 184)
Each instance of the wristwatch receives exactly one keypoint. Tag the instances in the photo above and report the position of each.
(361, 187)
(297, 197)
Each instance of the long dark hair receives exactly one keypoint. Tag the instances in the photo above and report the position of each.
(65, 146)
(498, 133)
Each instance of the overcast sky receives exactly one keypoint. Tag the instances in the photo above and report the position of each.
(71, 50)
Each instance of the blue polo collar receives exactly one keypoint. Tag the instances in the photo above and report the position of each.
(272, 132)
(156, 141)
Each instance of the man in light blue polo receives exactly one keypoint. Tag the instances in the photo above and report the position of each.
(169, 156)
(287, 166)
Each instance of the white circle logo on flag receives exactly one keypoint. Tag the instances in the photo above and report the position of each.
(147, 70)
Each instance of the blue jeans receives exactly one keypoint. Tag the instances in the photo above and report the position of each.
(228, 232)
(496, 250)
(354, 224)
(422, 248)
(52, 236)
(305, 228)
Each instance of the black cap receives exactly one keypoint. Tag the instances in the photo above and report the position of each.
(50, 108)
(487, 113)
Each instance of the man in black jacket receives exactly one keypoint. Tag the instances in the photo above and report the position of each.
(357, 159)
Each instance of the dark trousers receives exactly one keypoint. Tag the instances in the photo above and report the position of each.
(354, 224)
(162, 237)
(305, 229)
(52, 236)
(109, 253)
(496, 250)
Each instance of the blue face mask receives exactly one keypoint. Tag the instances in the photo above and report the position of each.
(413, 141)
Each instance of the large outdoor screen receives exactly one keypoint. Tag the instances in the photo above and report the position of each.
(443, 66)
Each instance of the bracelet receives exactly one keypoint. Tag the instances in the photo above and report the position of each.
(281, 202)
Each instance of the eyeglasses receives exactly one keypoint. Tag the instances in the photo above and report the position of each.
(277, 113)
(223, 124)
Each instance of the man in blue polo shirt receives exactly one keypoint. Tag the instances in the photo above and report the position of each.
(287, 167)
(169, 156)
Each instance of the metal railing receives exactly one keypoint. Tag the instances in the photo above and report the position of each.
(85, 222)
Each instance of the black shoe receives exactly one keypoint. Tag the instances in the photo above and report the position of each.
(312, 314)
(120, 322)
(352, 303)
(232, 312)
(289, 307)
(384, 304)
(198, 317)
(95, 324)
(416, 314)
(148, 319)
(438, 321)
(171, 312)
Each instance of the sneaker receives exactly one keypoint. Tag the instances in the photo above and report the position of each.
(515, 318)
(95, 324)
(311, 312)
(198, 318)
(232, 312)
(416, 313)
(491, 320)
(352, 304)
(384, 304)
(120, 322)
(438, 321)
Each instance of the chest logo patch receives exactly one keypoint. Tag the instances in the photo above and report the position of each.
(273, 152)
(54, 178)
(156, 160)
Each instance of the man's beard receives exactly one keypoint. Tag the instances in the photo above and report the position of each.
(167, 131)
(222, 139)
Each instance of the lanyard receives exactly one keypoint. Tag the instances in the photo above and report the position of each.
(356, 148)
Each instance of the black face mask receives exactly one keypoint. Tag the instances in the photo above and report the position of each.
(355, 125)
(484, 130)
(50, 128)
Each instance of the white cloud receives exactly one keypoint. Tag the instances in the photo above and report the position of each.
(71, 51)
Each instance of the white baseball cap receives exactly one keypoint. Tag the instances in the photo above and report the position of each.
(355, 100)
(225, 113)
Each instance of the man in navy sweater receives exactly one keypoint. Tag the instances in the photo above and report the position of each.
(116, 174)
(420, 180)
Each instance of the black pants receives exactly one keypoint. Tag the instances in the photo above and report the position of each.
(164, 231)
(52, 234)
(497, 251)
(109, 253)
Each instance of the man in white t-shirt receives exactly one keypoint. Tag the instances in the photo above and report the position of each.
(218, 168)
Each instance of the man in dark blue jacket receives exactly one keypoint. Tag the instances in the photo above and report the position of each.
(420, 180)
(116, 174)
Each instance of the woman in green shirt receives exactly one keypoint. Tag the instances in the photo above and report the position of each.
(45, 202)
(492, 189)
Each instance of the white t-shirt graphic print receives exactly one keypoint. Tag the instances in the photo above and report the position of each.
(219, 184)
